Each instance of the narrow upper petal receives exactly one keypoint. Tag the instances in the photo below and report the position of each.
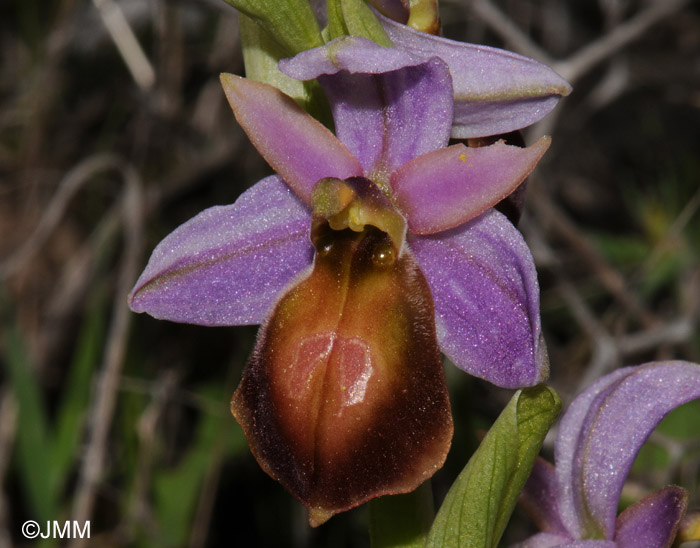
(227, 265)
(298, 147)
(495, 91)
(448, 187)
(389, 106)
(484, 284)
(610, 422)
(653, 521)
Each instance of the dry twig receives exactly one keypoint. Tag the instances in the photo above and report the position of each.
(126, 42)
(104, 401)
(73, 181)
(556, 223)
(619, 37)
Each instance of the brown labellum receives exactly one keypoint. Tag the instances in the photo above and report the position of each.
(344, 398)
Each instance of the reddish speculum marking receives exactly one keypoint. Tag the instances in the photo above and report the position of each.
(350, 357)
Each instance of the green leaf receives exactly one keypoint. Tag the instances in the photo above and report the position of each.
(401, 521)
(291, 23)
(33, 456)
(336, 21)
(177, 489)
(68, 431)
(261, 55)
(45, 455)
(354, 18)
(654, 457)
(480, 502)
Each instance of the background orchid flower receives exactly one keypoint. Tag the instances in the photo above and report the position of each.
(398, 220)
(575, 503)
(495, 91)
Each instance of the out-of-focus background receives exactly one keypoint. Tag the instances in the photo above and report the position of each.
(114, 130)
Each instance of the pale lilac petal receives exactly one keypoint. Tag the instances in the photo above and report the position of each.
(448, 187)
(388, 106)
(484, 285)
(568, 463)
(611, 420)
(588, 544)
(227, 265)
(539, 498)
(495, 91)
(544, 540)
(653, 521)
(352, 54)
(298, 147)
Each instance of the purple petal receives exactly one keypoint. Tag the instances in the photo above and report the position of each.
(602, 432)
(389, 106)
(545, 540)
(552, 540)
(539, 498)
(484, 285)
(298, 147)
(227, 265)
(571, 507)
(589, 544)
(495, 91)
(653, 521)
(451, 186)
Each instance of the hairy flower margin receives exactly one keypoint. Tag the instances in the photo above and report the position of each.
(399, 222)
(575, 502)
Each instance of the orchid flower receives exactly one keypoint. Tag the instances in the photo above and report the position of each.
(575, 503)
(495, 92)
(344, 398)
